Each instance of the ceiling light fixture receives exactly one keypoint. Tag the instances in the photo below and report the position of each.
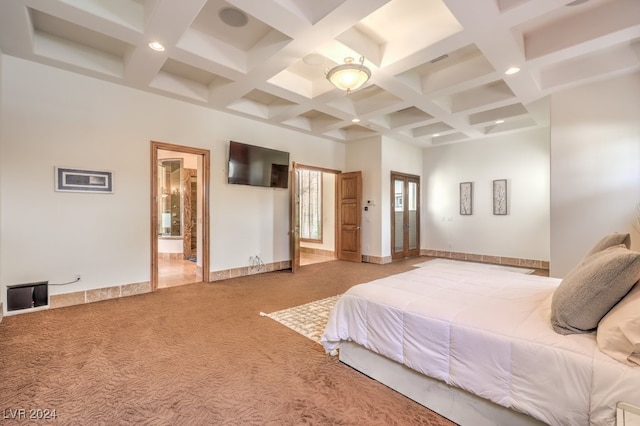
(157, 46)
(355, 120)
(499, 121)
(512, 70)
(349, 76)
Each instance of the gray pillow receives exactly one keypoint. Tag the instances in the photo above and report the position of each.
(592, 288)
(609, 241)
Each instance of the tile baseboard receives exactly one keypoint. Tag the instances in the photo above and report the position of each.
(243, 271)
(98, 294)
(380, 260)
(171, 256)
(126, 290)
(106, 293)
(483, 258)
(320, 252)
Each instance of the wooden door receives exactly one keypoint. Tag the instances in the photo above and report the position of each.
(349, 216)
(294, 221)
(405, 215)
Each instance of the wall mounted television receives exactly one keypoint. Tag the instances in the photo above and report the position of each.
(257, 166)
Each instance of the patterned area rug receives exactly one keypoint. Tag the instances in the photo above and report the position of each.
(474, 265)
(309, 319)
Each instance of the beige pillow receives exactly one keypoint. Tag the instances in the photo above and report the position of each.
(609, 241)
(619, 331)
(592, 288)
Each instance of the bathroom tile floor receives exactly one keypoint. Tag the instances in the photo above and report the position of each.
(176, 272)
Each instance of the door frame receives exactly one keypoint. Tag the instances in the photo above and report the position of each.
(406, 251)
(294, 234)
(294, 219)
(153, 199)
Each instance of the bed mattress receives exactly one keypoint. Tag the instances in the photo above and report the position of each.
(487, 332)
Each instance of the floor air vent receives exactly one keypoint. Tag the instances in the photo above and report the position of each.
(26, 296)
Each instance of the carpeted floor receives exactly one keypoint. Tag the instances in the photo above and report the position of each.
(196, 354)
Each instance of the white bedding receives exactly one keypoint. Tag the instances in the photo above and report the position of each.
(487, 332)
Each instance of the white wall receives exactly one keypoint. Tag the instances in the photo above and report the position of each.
(365, 155)
(595, 167)
(170, 245)
(398, 157)
(2, 291)
(523, 159)
(376, 157)
(55, 118)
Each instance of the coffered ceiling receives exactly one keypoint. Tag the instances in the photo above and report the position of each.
(438, 66)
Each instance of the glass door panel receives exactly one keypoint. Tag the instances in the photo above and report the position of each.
(398, 215)
(170, 198)
(405, 215)
(412, 208)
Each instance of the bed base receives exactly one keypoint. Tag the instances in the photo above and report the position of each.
(453, 403)
(627, 414)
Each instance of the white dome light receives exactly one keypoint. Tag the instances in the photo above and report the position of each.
(349, 76)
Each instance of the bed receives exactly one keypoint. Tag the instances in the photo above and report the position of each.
(477, 346)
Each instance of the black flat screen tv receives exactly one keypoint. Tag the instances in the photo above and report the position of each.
(257, 166)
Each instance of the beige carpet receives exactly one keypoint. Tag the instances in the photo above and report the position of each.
(197, 355)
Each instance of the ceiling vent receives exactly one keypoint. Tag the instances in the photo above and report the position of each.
(576, 2)
(439, 58)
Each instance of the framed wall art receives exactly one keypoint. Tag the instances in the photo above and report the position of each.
(79, 180)
(466, 198)
(500, 197)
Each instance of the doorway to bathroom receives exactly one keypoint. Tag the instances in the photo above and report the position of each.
(179, 215)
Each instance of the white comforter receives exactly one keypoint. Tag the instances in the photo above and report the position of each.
(489, 333)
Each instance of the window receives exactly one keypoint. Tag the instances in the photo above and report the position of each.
(311, 205)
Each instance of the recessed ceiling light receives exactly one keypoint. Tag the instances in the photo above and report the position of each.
(499, 121)
(355, 120)
(512, 70)
(233, 17)
(435, 135)
(157, 46)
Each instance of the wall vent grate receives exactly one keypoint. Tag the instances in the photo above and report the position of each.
(26, 296)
